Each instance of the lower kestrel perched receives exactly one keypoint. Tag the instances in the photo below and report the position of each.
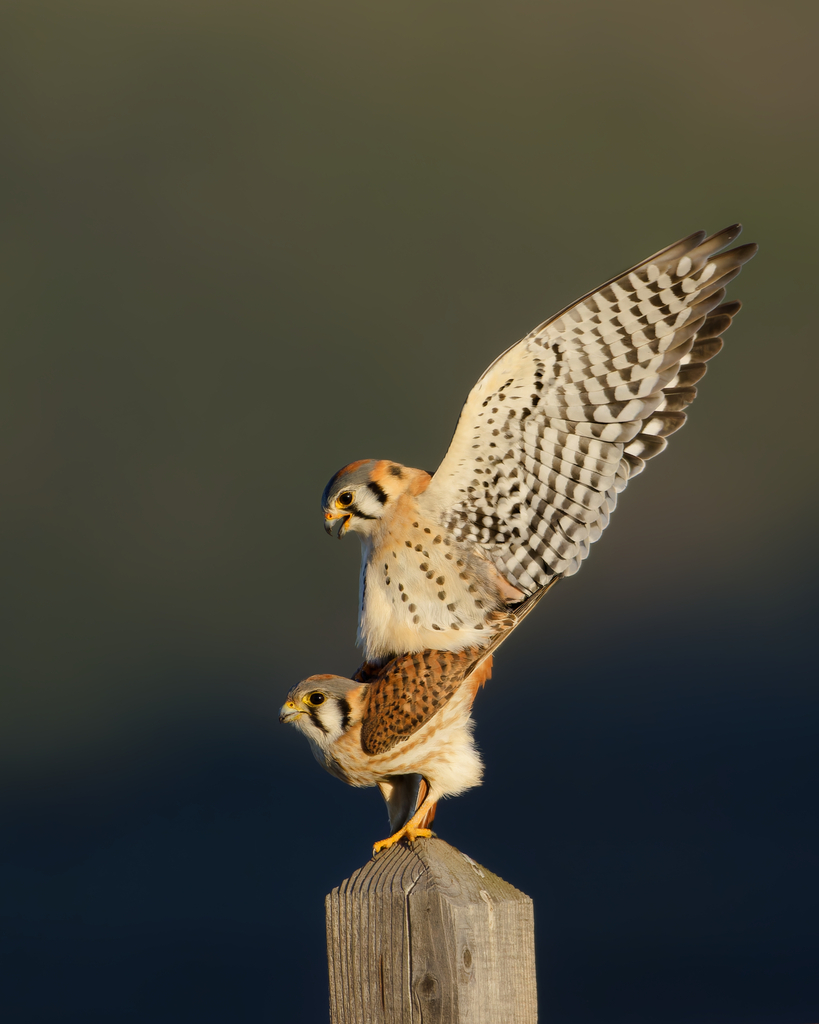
(407, 728)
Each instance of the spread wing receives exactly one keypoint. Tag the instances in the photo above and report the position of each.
(558, 424)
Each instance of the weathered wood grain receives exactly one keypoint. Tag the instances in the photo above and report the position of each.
(424, 935)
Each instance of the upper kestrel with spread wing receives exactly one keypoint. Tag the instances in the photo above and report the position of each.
(551, 433)
(548, 437)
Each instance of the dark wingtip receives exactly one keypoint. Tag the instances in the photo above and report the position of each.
(743, 253)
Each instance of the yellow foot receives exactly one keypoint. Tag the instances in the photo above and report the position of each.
(409, 832)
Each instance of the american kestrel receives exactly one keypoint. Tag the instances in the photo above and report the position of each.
(406, 728)
(550, 434)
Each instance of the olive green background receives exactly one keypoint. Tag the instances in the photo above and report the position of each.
(246, 243)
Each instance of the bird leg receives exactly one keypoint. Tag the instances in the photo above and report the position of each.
(411, 831)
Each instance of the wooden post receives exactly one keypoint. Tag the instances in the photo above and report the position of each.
(424, 935)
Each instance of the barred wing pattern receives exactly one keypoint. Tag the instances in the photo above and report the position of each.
(558, 424)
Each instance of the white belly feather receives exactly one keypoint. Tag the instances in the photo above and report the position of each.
(431, 593)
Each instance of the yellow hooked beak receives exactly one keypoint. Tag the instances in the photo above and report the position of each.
(289, 712)
(331, 517)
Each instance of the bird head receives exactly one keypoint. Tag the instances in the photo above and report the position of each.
(361, 494)
(319, 707)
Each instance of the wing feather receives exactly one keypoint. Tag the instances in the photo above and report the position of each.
(559, 423)
(403, 695)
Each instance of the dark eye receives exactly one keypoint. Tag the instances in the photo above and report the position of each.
(344, 499)
(315, 699)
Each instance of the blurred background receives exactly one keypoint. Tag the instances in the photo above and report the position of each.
(246, 243)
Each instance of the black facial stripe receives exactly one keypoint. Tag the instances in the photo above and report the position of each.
(317, 721)
(344, 706)
(357, 512)
(378, 491)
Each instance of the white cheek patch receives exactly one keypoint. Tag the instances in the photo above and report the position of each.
(329, 714)
(323, 724)
(367, 505)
